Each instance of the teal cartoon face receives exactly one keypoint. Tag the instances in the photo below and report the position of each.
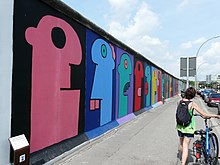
(125, 71)
(148, 85)
(147, 71)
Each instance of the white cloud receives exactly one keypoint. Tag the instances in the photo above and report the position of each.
(122, 4)
(208, 57)
(190, 44)
(135, 29)
(186, 45)
(183, 4)
(121, 11)
(208, 61)
(142, 22)
(212, 55)
(199, 41)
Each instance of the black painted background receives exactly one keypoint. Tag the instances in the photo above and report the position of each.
(27, 13)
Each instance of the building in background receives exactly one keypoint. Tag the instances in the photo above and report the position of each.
(212, 78)
(208, 79)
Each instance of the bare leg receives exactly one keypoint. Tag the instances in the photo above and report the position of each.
(185, 149)
(181, 145)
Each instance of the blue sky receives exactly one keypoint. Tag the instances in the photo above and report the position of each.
(162, 31)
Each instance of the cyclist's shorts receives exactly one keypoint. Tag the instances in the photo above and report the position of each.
(189, 135)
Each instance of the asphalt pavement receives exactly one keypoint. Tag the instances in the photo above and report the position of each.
(149, 139)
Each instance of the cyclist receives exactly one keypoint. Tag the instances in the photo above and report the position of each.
(187, 133)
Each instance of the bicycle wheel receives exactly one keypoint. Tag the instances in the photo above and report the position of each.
(214, 148)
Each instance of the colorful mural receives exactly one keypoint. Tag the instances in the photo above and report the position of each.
(154, 85)
(69, 77)
(53, 102)
(138, 85)
(124, 83)
(49, 58)
(148, 85)
(100, 70)
(159, 86)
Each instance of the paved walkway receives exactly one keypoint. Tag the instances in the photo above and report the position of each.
(149, 139)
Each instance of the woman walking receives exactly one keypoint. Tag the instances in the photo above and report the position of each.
(186, 133)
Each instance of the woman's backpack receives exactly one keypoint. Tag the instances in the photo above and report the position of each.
(182, 113)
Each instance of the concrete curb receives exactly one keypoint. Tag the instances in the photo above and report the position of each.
(67, 153)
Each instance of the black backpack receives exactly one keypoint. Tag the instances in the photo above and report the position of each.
(182, 114)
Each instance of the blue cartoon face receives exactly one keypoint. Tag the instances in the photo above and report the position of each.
(102, 53)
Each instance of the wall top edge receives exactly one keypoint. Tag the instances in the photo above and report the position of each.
(68, 11)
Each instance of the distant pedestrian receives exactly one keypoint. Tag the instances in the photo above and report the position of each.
(182, 94)
(186, 133)
(163, 99)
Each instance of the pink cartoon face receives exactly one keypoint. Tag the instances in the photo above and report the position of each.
(54, 105)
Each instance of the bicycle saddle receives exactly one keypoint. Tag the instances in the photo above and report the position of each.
(199, 132)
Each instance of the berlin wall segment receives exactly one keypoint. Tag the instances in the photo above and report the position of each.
(70, 81)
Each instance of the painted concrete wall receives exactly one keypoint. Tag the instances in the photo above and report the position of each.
(6, 19)
(65, 78)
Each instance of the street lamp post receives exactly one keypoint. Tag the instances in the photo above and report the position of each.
(197, 73)
(197, 53)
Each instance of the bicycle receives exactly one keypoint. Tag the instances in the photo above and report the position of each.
(206, 148)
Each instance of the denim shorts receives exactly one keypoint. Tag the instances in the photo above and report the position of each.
(181, 135)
